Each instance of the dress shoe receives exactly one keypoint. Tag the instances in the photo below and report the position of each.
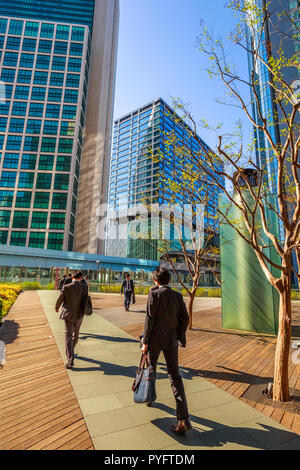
(182, 427)
(68, 365)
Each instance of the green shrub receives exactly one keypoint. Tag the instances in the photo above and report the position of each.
(31, 286)
(295, 294)
(8, 296)
(50, 286)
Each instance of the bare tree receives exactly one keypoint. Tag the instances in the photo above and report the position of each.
(224, 167)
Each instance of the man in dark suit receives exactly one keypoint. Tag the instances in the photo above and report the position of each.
(128, 288)
(165, 325)
(69, 280)
(62, 282)
(73, 299)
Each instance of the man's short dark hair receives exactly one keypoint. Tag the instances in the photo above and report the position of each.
(127, 275)
(70, 275)
(77, 275)
(162, 276)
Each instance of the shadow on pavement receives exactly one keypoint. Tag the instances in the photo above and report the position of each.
(9, 331)
(198, 437)
(84, 336)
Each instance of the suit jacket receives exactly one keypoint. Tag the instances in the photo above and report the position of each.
(125, 288)
(166, 319)
(73, 298)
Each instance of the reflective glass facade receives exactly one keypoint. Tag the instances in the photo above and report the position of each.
(135, 178)
(69, 11)
(43, 74)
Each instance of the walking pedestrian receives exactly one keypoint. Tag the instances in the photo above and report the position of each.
(128, 288)
(73, 299)
(165, 327)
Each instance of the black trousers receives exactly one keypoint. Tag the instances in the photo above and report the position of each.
(127, 298)
(171, 358)
(72, 328)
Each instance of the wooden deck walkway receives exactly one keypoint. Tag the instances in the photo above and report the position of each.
(233, 360)
(38, 407)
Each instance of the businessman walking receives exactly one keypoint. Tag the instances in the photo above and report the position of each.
(165, 326)
(128, 288)
(73, 299)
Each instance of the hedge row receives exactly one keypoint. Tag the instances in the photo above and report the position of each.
(8, 296)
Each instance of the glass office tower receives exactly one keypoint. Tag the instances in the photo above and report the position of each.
(136, 178)
(51, 52)
(279, 32)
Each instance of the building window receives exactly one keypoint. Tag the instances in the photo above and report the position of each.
(39, 220)
(31, 29)
(41, 200)
(51, 127)
(65, 145)
(16, 125)
(23, 199)
(67, 128)
(6, 199)
(3, 237)
(71, 96)
(10, 59)
(28, 161)
(36, 109)
(4, 107)
(8, 179)
(24, 76)
(16, 27)
(57, 220)
(42, 62)
(18, 238)
(59, 201)
(53, 111)
(69, 112)
(13, 43)
(8, 75)
(26, 180)
(44, 181)
(54, 94)
(31, 144)
(48, 144)
(40, 78)
(20, 219)
(77, 34)
(63, 163)
(47, 30)
(3, 25)
(58, 63)
(37, 240)
(14, 142)
(73, 80)
(60, 47)
(19, 108)
(74, 65)
(46, 162)
(11, 160)
(57, 79)
(4, 218)
(21, 92)
(61, 182)
(29, 45)
(38, 93)
(45, 46)
(34, 126)
(76, 49)
(62, 32)
(55, 241)
(26, 60)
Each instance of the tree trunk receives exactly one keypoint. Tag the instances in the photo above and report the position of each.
(190, 307)
(281, 390)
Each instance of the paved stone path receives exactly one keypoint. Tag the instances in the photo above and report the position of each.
(102, 377)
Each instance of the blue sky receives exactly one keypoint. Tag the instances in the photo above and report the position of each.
(158, 57)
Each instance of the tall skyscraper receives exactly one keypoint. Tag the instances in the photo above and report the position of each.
(136, 178)
(281, 32)
(57, 72)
